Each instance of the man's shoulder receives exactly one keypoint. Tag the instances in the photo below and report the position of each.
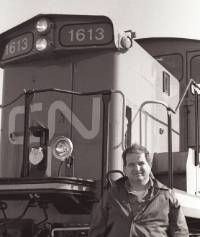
(118, 186)
(160, 185)
(121, 181)
(168, 191)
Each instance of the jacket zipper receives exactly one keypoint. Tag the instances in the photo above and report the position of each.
(146, 206)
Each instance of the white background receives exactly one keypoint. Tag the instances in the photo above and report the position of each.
(180, 18)
(148, 18)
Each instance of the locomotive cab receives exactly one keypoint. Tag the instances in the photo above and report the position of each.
(76, 93)
(55, 117)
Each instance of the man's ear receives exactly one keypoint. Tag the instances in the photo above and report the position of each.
(152, 155)
(151, 175)
(124, 169)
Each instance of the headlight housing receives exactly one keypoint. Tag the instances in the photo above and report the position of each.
(62, 148)
(42, 25)
(41, 44)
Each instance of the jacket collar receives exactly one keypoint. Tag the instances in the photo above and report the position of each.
(157, 184)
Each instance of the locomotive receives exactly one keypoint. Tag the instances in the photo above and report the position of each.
(76, 93)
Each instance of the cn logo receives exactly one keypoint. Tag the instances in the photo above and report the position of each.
(86, 133)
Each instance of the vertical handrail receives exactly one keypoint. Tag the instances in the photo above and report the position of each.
(106, 100)
(196, 129)
(193, 83)
(170, 155)
(25, 161)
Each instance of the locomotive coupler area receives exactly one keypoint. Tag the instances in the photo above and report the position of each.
(45, 207)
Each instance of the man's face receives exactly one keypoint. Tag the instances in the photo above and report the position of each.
(137, 169)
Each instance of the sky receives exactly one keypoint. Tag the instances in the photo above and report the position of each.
(148, 18)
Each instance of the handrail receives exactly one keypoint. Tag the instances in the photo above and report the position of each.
(28, 98)
(169, 109)
(196, 129)
(151, 102)
(191, 82)
(170, 158)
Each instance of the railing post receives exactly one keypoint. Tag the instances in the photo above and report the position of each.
(106, 100)
(25, 161)
(170, 157)
(196, 128)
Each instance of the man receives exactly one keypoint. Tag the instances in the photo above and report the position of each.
(138, 205)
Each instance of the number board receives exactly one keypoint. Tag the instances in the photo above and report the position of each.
(86, 34)
(18, 46)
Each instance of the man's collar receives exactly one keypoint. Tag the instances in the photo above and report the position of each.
(128, 188)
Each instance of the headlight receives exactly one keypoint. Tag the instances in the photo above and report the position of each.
(62, 148)
(41, 44)
(42, 25)
(36, 155)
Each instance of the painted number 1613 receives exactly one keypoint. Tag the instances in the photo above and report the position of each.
(83, 34)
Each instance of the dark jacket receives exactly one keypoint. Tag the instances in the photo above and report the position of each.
(161, 216)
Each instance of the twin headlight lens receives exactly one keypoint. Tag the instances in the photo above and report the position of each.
(42, 27)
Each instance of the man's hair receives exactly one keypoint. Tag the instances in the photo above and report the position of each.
(136, 149)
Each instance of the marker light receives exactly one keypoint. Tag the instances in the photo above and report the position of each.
(36, 155)
(41, 44)
(42, 25)
(126, 42)
(62, 148)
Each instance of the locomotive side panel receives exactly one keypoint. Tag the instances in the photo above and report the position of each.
(142, 79)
